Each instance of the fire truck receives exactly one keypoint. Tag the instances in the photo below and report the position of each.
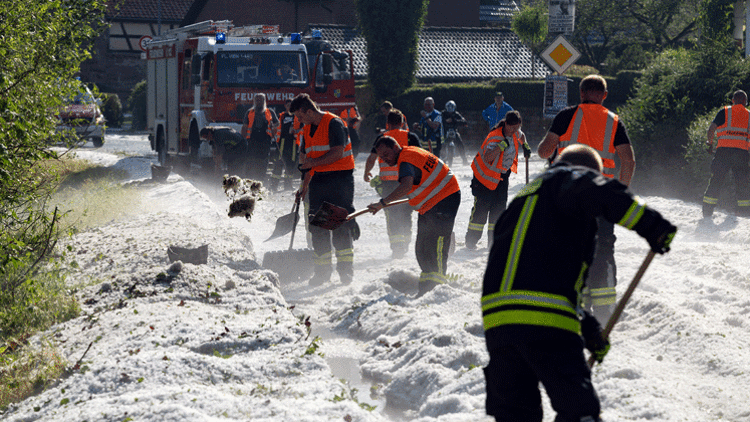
(206, 74)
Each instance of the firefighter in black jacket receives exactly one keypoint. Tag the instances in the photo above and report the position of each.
(544, 244)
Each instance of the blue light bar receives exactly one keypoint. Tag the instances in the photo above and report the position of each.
(221, 38)
(296, 38)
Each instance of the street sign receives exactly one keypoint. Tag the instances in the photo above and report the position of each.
(560, 55)
(562, 15)
(144, 41)
(555, 95)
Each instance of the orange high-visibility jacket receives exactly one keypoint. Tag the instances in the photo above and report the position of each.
(437, 183)
(318, 145)
(391, 172)
(595, 126)
(251, 119)
(491, 174)
(734, 132)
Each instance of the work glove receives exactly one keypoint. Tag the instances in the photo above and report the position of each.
(591, 331)
(526, 150)
(503, 144)
(661, 236)
(354, 229)
(377, 184)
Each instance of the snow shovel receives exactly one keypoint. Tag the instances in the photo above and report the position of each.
(290, 264)
(331, 216)
(624, 301)
(286, 223)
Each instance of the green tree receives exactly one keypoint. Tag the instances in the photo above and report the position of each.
(137, 101)
(391, 28)
(40, 52)
(607, 31)
(676, 89)
(530, 24)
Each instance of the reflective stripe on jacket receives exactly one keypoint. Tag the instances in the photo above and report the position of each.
(491, 174)
(319, 145)
(391, 172)
(530, 282)
(437, 183)
(595, 126)
(734, 132)
(251, 121)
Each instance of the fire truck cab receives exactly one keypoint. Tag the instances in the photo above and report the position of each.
(207, 74)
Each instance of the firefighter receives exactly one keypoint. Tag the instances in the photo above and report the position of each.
(544, 243)
(327, 160)
(592, 124)
(351, 117)
(259, 128)
(731, 127)
(492, 165)
(229, 149)
(397, 218)
(433, 191)
(286, 140)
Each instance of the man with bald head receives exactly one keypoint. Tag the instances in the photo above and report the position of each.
(531, 293)
(730, 127)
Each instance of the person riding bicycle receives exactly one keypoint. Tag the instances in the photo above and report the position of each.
(451, 121)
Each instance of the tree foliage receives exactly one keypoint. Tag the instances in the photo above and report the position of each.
(605, 30)
(391, 28)
(530, 24)
(674, 90)
(40, 51)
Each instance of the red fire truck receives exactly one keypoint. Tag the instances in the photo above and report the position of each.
(207, 74)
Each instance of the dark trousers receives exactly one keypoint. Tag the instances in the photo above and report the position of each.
(727, 159)
(285, 165)
(398, 220)
(337, 188)
(599, 295)
(487, 203)
(434, 229)
(521, 356)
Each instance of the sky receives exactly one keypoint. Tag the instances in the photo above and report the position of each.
(229, 340)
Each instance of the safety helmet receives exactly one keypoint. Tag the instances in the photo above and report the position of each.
(450, 106)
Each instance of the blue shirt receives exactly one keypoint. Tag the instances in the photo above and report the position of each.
(428, 132)
(493, 115)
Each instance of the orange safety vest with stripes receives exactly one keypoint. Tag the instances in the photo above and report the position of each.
(595, 126)
(438, 181)
(319, 145)
(251, 120)
(491, 174)
(347, 114)
(734, 132)
(391, 172)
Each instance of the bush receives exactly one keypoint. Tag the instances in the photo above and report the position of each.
(677, 87)
(112, 110)
(138, 105)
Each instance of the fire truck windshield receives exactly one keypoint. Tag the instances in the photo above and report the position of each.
(261, 68)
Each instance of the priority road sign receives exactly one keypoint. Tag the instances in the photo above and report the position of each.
(560, 54)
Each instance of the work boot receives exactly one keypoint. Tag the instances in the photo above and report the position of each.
(319, 279)
(426, 286)
(346, 278)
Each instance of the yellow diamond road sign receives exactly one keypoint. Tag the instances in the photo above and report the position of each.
(560, 55)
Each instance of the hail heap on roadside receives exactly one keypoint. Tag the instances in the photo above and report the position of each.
(206, 74)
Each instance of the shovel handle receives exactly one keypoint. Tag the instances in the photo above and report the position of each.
(624, 301)
(366, 210)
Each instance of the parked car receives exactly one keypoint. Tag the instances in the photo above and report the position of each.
(82, 115)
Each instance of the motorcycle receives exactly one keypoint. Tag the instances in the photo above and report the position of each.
(450, 146)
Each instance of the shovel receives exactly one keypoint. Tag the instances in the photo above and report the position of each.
(286, 223)
(290, 264)
(331, 216)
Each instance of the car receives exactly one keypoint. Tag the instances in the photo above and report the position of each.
(81, 115)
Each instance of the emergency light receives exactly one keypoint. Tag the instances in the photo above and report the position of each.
(296, 38)
(221, 38)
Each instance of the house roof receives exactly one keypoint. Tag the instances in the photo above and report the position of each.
(147, 10)
(450, 53)
(500, 13)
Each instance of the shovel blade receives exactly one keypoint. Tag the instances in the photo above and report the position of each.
(285, 224)
(290, 265)
(329, 216)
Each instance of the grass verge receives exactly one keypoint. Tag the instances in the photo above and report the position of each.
(88, 196)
